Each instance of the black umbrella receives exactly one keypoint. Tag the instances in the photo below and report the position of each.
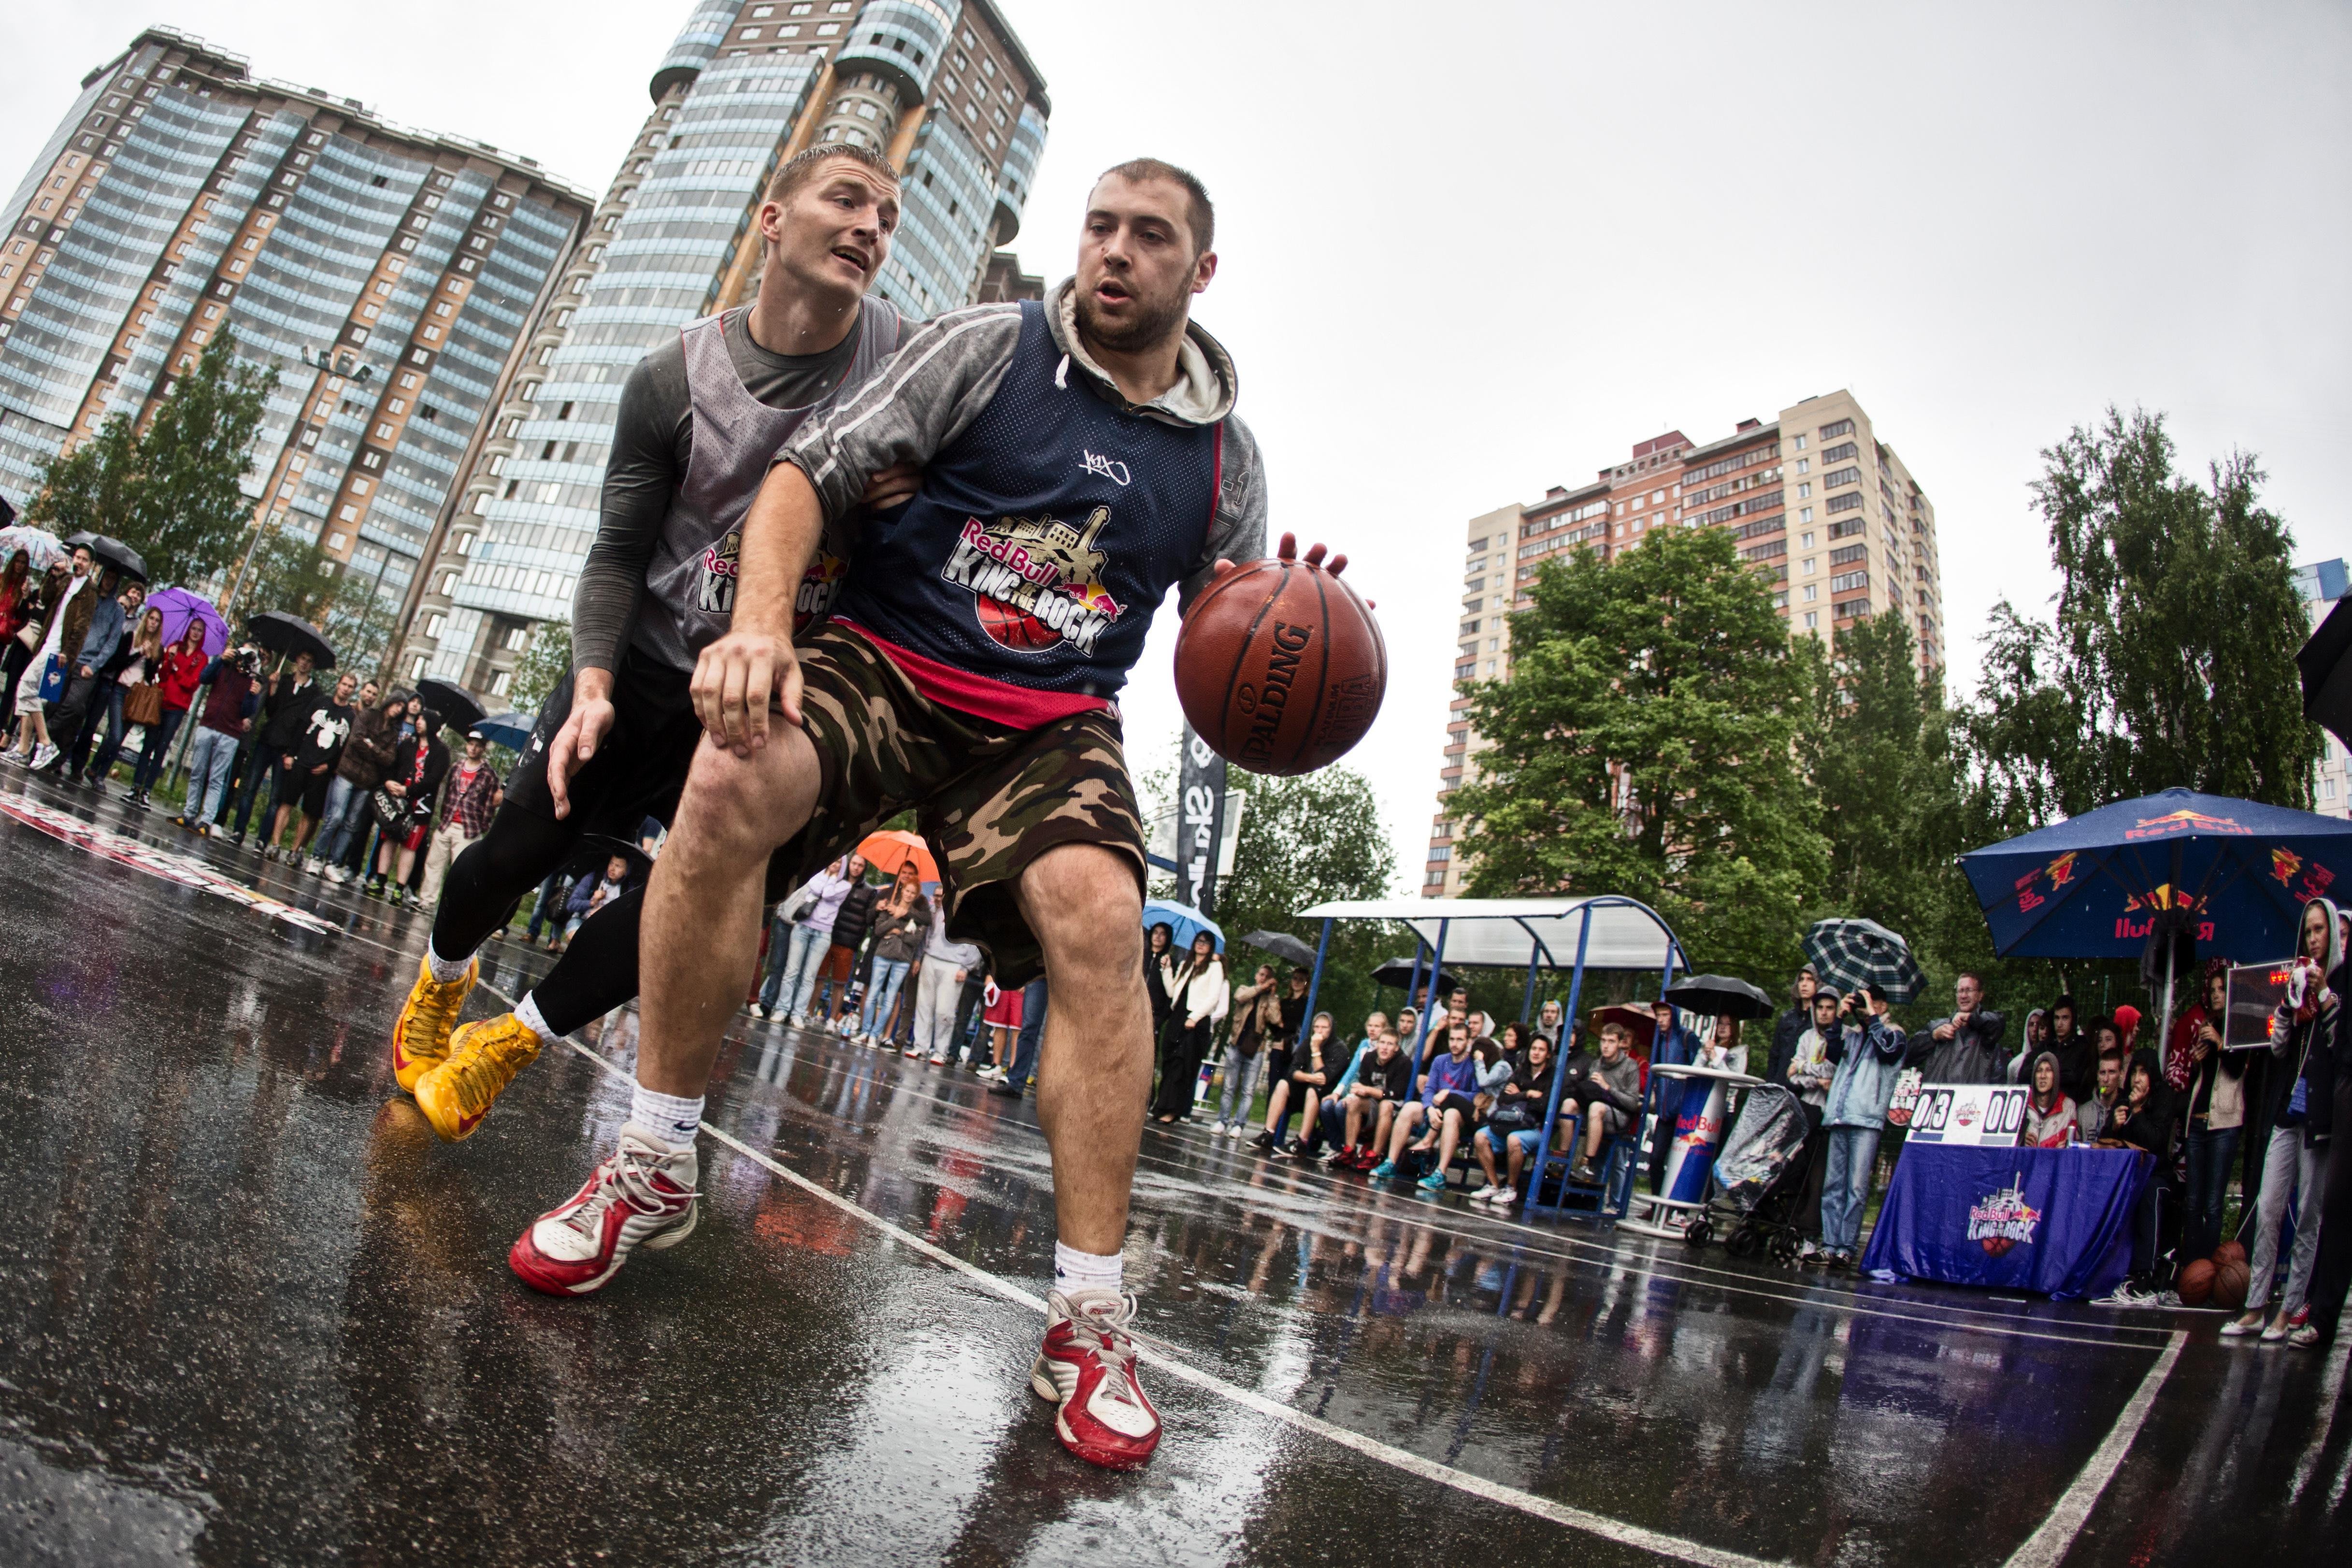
(1719, 996)
(2327, 673)
(1398, 971)
(287, 636)
(452, 701)
(110, 553)
(1287, 948)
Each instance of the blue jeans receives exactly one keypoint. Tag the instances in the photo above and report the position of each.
(2209, 1153)
(1240, 1084)
(346, 813)
(150, 751)
(117, 728)
(211, 757)
(1032, 1022)
(1845, 1185)
(794, 954)
(880, 992)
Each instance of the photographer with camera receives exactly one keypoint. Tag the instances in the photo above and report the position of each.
(229, 707)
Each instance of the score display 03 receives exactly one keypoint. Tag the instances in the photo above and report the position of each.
(1984, 1115)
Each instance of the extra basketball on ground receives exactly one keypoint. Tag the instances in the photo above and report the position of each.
(1280, 666)
(2196, 1282)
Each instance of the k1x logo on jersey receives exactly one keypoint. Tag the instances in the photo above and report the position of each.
(1110, 468)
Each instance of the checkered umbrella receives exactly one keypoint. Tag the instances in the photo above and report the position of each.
(1847, 953)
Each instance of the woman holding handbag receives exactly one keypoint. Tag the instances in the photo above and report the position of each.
(44, 680)
(176, 677)
(133, 697)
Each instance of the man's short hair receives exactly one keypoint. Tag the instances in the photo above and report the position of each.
(1970, 974)
(1201, 217)
(801, 168)
(2067, 1002)
(1614, 1027)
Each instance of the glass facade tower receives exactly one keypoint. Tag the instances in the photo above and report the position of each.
(388, 275)
(940, 86)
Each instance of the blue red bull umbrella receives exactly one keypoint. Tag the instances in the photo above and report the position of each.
(2092, 886)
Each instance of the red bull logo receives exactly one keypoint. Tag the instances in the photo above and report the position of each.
(820, 586)
(2173, 823)
(1036, 582)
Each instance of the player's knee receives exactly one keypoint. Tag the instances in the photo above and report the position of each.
(1083, 902)
(734, 806)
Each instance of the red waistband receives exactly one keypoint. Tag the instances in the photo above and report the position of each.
(1016, 707)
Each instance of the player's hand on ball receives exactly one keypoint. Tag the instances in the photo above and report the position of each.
(733, 681)
(1288, 551)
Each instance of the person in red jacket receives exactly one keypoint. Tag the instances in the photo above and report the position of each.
(180, 670)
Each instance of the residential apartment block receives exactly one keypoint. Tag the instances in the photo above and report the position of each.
(1816, 500)
(942, 86)
(386, 273)
(2319, 583)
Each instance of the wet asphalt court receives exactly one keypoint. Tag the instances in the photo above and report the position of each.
(251, 1312)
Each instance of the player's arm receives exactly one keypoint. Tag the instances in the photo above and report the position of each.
(639, 477)
(737, 675)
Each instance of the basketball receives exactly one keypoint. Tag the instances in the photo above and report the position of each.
(2229, 1252)
(2229, 1283)
(1013, 628)
(1280, 667)
(2196, 1282)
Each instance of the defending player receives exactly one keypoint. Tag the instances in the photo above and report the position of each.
(701, 418)
(1079, 459)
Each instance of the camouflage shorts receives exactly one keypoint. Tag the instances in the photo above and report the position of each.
(987, 798)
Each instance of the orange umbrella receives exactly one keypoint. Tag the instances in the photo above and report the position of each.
(889, 850)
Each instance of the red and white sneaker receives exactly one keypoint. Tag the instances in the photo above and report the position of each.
(1088, 1368)
(642, 1197)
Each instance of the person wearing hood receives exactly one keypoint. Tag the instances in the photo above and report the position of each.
(2302, 1104)
(1790, 1027)
(1964, 1048)
(2050, 1116)
(2210, 1084)
(2096, 1115)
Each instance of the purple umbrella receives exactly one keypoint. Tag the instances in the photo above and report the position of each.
(179, 607)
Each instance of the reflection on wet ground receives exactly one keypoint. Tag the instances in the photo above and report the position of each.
(251, 1312)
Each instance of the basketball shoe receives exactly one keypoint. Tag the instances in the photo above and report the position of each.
(420, 1036)
(642, 1197)
(483, 1059)
(1088, 1369)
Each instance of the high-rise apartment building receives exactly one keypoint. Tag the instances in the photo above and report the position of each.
(941, 85)
(2319, 583)
(386, 273)
(1815, 499)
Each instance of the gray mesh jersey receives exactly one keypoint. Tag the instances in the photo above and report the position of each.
(690, 582)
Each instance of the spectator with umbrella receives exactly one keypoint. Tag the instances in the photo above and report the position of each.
(1867, 1052)
(1791, 1025)
(68, 607)
(231, 700)
(178, 674)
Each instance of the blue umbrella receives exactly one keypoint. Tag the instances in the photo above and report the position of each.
(2090, 886)
(1184, 918)
(511, 731)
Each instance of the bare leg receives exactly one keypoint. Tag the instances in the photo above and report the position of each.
(1093, 1065)
(1406, 1120)
(1596, 1128)
(1277, 1098)
(1449, 1138)
(1483, 1145)
(305, 833)
(1355, 1120)
(1516, 1159)
(700, 939)
(1387, 1120)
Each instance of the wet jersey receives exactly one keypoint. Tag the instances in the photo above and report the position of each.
(690, 581)
(1045, 534)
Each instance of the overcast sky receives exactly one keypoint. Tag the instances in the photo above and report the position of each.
(1475, 249)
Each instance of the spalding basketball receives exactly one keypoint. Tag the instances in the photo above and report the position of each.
(2229, 1282)
(2229, 1252)
(1280, 667)
(2196, 1283)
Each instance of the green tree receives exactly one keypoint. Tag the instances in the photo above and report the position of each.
(1644, 745)
(2170, 660)
(1303, 841)
(543, 666)
(173, 492)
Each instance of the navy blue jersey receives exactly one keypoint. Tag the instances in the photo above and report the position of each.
(1045, 536)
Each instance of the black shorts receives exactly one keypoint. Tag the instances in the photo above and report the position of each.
(640, 768)
(314, 791)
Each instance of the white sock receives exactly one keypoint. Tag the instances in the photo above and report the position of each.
(669, 1116)
(445, 970)
(1074, 1270)
(527, 1014)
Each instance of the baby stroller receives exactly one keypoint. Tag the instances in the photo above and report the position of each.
(1759, 1177)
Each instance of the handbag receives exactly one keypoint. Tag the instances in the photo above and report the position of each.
(29, 633)
(144, 704)
(53, 678)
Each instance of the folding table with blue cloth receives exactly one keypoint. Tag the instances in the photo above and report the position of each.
(2056, 1221)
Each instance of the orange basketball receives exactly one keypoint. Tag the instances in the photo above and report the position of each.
(1280, 667)
(2229, 1252)
(1011, 628)
(2196, 1282)
(2229, 1283)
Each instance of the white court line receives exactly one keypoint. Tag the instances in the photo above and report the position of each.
(2047, 1546)
(1608, 1528)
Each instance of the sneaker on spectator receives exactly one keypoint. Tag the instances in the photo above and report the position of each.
(1328, 1156)
(755, 1010)
(2242, 1328)
(1217, 1127)
(1433, 1182)
(912, 1051)
(43, 755)
(337, 875)
(938, 1061)
(1808, 1251)
(1262, 1143)
(2302, 1339)
(1505, 1200)
(1485, 1193)
(1384, 1171)
(1584, 1175)
(1236, 1130)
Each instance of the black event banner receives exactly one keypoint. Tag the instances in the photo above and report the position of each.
(1200, 823)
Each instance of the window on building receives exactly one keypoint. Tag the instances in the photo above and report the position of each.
(500, 681)
(1832, 432)
(1812, 617)
(433, 623)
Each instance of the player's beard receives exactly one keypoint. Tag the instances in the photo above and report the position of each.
(1154, 321)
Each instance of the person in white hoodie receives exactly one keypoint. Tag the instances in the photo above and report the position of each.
(1199, 996)
(947, 964)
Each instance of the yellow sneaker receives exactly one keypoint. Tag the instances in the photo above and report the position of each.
(420, 1036)
(483, 1059)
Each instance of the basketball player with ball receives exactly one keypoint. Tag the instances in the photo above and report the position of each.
(1079, 459)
